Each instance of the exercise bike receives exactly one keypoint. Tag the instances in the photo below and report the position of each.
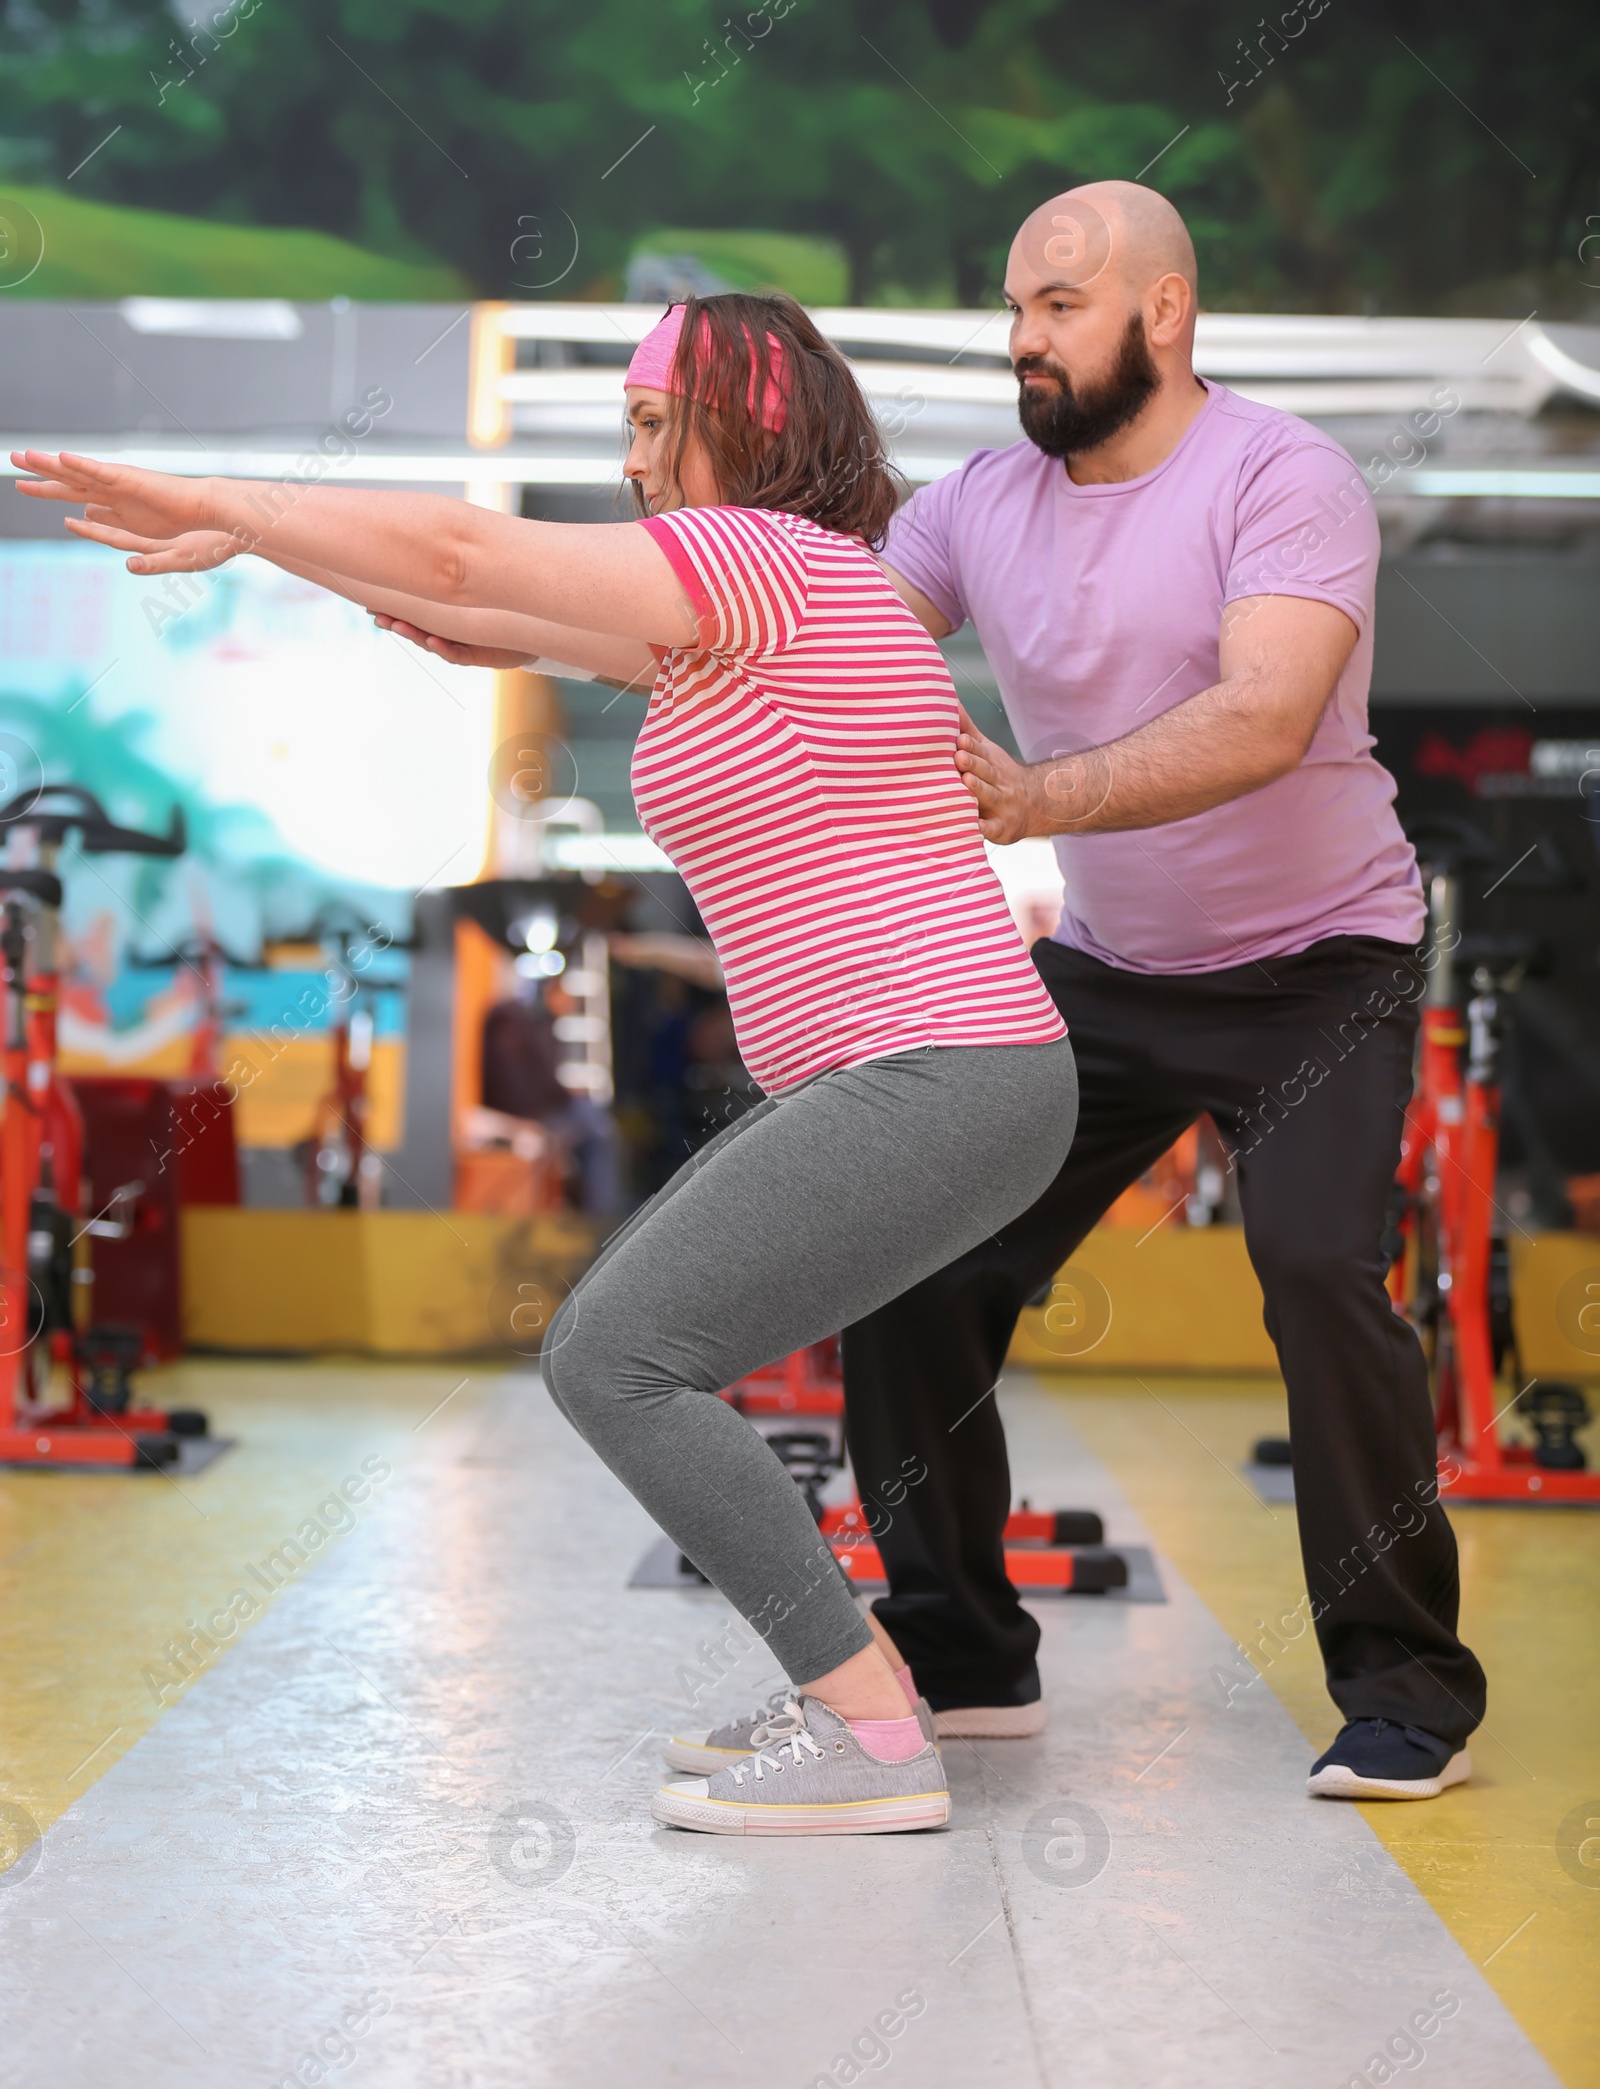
(1449, 1269)
(1449, 1262)
(64, 1390)
(1048, 1550)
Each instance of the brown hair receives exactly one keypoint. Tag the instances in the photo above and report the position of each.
(827, 462)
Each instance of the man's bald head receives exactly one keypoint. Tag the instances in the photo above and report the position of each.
(1101, 286)
(1104, 228)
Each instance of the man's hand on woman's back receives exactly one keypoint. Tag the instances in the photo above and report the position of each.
(1003, 788)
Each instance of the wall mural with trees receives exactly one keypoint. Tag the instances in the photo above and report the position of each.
(1338, 155)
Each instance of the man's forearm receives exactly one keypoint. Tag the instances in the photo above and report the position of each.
(1279, 658)
(1213, 747)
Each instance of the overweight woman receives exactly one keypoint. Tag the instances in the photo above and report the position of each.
(796, 762)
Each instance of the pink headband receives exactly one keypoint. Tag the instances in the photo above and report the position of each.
(653, 359)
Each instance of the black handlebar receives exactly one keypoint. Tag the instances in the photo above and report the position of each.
(337, 921)
(98, 833)
(194, 952)
(1446, 842)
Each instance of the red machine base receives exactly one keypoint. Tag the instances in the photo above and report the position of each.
(1040, 1544)
(1513, 1479)
(1066, 1572)
(46, 1444)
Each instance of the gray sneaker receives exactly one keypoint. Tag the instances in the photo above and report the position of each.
(773, 1721)
(776, 1720)
(819, 1780)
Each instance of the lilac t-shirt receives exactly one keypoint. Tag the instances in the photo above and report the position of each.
(1100, 607)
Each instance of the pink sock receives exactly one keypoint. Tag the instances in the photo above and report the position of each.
(903, 1677)
(888, 1740)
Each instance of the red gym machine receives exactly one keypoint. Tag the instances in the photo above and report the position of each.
(1450, 1272)
(1449, 1264)
(63, 1400)
(1059, 1550)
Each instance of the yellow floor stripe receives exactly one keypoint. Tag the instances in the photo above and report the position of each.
(1484, 1854)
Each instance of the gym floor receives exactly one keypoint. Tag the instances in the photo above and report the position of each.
(394, 1826)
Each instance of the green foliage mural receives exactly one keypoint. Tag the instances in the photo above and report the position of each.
(105, 250)
(1340, 155)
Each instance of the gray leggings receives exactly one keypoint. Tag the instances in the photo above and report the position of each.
(818, 1206)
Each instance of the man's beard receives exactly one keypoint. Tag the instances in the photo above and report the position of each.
(1064, 422)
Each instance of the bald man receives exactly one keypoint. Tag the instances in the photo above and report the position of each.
(1174, 586)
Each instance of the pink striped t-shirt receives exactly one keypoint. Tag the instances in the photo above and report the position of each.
(797, 766)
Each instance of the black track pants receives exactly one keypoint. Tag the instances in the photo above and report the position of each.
(1305, 1064)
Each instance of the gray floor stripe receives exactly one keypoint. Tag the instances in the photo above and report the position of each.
(399, 1837)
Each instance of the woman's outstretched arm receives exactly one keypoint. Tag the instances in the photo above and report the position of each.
(501, 638)
(604, 577)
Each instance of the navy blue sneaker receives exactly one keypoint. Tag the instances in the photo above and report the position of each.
(1376, 1759)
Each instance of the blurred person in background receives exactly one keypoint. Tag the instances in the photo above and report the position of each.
(682, 1070)
(521, 1080)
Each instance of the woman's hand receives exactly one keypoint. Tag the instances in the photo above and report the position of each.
(150, 505)
(454, 650)
(200, 551)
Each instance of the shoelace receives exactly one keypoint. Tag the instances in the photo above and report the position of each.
(771, 1757)
(776, 1719)
(1413, 1734)
(775, 1702)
